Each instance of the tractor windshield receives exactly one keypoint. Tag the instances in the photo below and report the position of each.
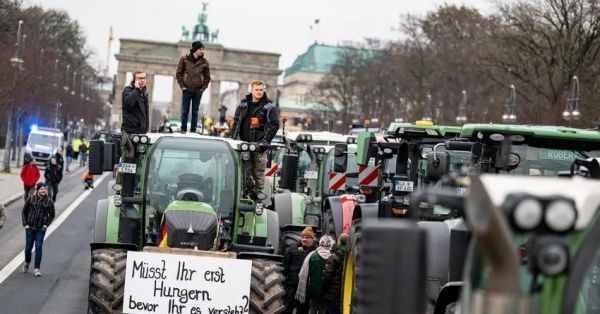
(194, 170)
(536, 161)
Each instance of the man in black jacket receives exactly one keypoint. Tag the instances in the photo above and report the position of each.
(37, 215)
(135, 105)
(193, 76)
(256, 105)
(292, 263)
(53, 175)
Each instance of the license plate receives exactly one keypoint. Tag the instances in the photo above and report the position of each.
(311, 175)
(403, 186)
(127, 168)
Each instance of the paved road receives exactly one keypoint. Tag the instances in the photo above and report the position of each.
(63, 286)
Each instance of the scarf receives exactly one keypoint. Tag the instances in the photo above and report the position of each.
(303, 275)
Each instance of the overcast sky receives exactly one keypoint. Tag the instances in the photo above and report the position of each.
(280, 26)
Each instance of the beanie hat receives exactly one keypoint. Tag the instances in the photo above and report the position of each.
(40, 185)
(326, 242)
(196, 45)
(308, 232)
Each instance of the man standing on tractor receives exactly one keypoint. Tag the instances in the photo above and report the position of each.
(256, 120)
(135, 105)
(193, 76)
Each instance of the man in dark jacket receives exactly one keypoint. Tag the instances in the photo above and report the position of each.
(60, 159)
(37, 215)
(292, 262)
(53, 175)
(135, 105)
(332, 276)
(193, 76)
(256, 105)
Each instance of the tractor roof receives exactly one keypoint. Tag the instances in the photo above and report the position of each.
(441, 130)
(536, 131)
(318, 136)
(155, 136)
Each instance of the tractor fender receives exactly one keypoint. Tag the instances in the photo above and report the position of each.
(438, 256)
(450, 293)
(366, 211)
(334, 204)
(273, 229)
(290, 207)
(100, 222)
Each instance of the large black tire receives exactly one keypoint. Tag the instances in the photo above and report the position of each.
(328, 224)
(267, 292)
(107, 281)
(354, 239)
(290, 239)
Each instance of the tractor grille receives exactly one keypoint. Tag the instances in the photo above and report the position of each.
(188, 229)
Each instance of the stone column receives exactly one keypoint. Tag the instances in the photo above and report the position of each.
(117, 108)
(215, 93)
(176, 100)
(242, 91)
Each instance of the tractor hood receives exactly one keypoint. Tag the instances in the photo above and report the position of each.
(189, 224)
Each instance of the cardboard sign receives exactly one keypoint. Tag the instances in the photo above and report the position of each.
(178, 284)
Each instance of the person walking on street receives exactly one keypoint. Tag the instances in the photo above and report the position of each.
(292, 262)
(83, 148)
(332, 276)
(256, 105)
(30, 174)
(37, 215)
(310, 279)
(222, 115)
(59, 159)
(193, 76)
(69, 152)
(135, 105)
(53, 175)
(2, 215)
(76, 143)
(88, 180)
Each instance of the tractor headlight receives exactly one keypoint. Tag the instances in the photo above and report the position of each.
(118, 200)
(552, 259)
(143, 139)
(135, 139)
(117, 187)
(560, 216)
(244, 147)
(252, 147)
(141, 148)
(527, 214)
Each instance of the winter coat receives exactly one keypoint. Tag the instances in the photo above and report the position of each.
(53, 174)
(60, 160)
(292, 262)
(38, 211)
(30, 174)
(75, 145)
(268, 117)
(193, 74)
(332, 274)
(69, 150)
(135, 111)
(310, 278)
(83, 148)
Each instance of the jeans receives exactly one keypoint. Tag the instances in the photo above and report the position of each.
(69, 160)
(83, 159)
(28, 191)
(187, 97)
(88, 183)
(34, 235)
(52, 190)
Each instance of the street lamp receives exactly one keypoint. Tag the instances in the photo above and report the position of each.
(510, 114)
(572, 108)
(462, 109)
(428, 110)
(66, 86)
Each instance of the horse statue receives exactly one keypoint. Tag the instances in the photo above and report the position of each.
(214, 36)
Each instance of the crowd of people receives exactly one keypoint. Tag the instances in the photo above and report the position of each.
(313, 273)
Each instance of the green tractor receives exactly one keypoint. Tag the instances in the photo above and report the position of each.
(186, 192)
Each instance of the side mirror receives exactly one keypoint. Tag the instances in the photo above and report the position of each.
(438, 164)
(96, 161)
(340, 159)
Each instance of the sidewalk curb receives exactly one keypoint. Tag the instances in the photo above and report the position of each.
(12, 199)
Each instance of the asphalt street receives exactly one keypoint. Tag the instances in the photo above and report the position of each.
(63, 286)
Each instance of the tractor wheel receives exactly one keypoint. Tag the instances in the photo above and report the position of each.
(107, 281)
(351, 269)
(267, 293)
(328, 225)
(290, 239)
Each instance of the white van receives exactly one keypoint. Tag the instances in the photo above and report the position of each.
(43, 143)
